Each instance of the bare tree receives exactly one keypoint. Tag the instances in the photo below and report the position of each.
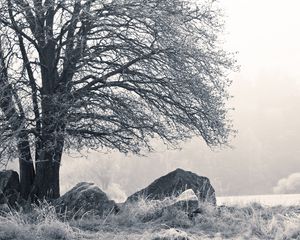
(107, 74)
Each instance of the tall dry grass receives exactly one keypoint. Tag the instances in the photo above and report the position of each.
(153, 220)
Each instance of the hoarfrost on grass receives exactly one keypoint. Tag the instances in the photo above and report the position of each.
(147, 220)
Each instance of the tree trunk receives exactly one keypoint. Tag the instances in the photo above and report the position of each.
(26, 169)
(51, 143)
(46, 183)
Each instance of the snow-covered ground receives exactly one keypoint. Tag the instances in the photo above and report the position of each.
(268, 200)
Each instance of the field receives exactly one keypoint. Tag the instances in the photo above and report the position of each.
(146, 220)
(267, 200)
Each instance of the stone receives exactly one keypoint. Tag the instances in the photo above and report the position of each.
(175, 183)
(171, 234)
(4, 208)
(187, 202)
(187, 195)
(84, 199)
(186, 206)
(9, 187)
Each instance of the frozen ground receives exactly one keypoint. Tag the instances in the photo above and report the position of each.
(145, 220)
(268, 200)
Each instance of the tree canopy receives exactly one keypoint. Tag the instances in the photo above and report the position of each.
(108, 74)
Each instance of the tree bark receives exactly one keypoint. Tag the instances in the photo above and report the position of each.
(51, 142)
(46, 184)
(27, 173)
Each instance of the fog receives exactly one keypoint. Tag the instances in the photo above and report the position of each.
(266, 99)
(291, 184)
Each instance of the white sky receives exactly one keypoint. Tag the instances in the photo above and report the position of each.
(266, 34)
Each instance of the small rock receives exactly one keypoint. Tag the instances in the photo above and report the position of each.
(186, 201)
(171, 234)
(4, 208)
(185, 206)
(9, 187)
(187, 195)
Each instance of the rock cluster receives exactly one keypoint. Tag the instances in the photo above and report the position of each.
(184, 189)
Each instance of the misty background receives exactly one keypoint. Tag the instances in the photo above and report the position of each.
(265, 155)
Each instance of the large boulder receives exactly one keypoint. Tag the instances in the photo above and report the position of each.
(9, 187)
(85, 198)
(174, 183)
